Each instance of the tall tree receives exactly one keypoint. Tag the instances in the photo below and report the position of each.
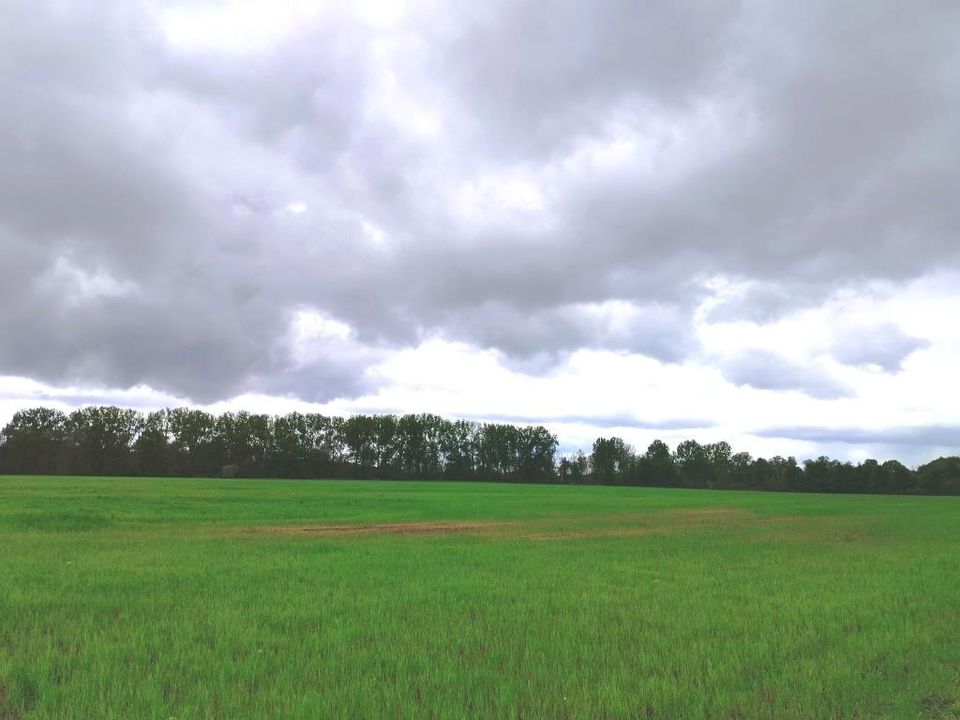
(536, 450)
(694, 464)
(100, 439)
(33, 441)
(610, 460)
(359, 436)
(659, 467)
(152, 454)
(940, 477)
(196, 445)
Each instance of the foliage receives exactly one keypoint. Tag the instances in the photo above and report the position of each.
(190, 442)
(184, 441)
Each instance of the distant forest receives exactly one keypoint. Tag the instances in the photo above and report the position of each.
(187, 442)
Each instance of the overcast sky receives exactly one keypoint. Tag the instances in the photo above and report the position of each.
(720, 220)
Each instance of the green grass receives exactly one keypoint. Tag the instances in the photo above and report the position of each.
(135, 598)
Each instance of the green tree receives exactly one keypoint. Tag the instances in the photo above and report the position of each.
(940, 477)
(693, 462)
(152, 454)
(101, 439)
(359, 433)
(196, 444)
(739, 471)
(537, 449)
(658, 466)
(897, 478)
(610, 460)
(34, 441)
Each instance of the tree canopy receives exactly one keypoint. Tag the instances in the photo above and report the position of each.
(190, 442)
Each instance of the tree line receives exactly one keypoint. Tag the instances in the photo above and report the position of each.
(107, 440)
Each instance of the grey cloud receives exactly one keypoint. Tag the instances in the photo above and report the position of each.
(624, 420)
(315, 88)
(886, 346)
(766, 302)
(765, 370)
(632, 422)
(943, 436)
(143, 401)
(537, 78)
(658, 331)
(180, 346)
(834, 161)
(325, 379)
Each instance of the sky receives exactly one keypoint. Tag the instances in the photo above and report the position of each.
(671, 219)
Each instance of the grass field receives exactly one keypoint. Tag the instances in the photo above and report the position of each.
(184, 598)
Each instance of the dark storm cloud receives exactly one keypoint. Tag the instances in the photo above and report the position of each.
(147, 235)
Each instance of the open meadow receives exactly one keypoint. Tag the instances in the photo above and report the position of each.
(186, 598)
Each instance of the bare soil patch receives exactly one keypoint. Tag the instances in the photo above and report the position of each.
(7, 711)
(405, 528)
(652, 523)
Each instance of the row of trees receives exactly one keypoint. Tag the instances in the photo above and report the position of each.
(716, 466)
(117, 441)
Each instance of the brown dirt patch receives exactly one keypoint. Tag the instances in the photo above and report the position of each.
(635, 524)
(406, 528)
(7, 711)
(938, 707)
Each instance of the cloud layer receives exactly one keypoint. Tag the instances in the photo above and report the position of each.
(182, 185)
